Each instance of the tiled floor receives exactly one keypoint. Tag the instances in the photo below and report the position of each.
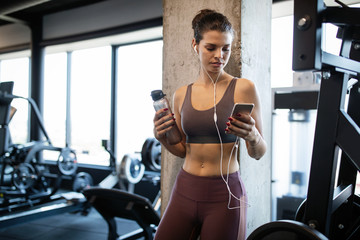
(67, 226)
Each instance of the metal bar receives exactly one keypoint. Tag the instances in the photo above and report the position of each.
(324, 158)
(296, 100)
(113, 117)
(136, 234)
(307, 35)
(37, 78)
(46, 211)
(345, 214)
(341, 194)
(68, 100)
(34, 109)
(340, 62)
(342, 16)
(354, 103)
(347, 136)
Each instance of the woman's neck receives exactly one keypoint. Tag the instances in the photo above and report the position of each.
(211, 78)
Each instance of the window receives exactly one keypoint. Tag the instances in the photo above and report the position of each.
(77, 95)
(17, 70)
(281, 52)
(139, 72)
(55, 85)
(90, 103)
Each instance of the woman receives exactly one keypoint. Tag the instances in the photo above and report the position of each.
(208, 198)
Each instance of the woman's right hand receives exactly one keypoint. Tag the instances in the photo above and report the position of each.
(163, 123)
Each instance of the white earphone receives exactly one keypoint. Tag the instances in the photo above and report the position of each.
(195, 49)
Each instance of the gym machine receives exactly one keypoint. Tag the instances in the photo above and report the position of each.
(25, 179)
(134, 167)
(115, 196)
(331, 209)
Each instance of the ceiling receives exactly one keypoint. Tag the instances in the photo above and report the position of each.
(26, 11)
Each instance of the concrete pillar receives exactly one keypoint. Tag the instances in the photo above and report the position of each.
(250, 59)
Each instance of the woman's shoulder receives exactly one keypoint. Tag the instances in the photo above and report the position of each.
(245, 90)
(244, 84)
(179, 95)
(181, 91)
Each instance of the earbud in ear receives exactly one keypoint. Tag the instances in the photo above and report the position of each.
(195, 49)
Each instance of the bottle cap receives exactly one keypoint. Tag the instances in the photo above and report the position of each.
(157, 94)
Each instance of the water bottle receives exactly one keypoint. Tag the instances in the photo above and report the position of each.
(160, 102)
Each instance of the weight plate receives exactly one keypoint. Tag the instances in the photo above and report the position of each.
(24, 176)
(151, 154)
(155, 155)
(145, 158)
(82, 181)
(131, 169)
(67, 161)
(286, 230)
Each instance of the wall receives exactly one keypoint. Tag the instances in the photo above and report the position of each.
(255, 60)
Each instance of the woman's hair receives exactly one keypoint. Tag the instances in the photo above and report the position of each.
(207, 20)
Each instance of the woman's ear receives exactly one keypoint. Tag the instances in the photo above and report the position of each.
(194, 45)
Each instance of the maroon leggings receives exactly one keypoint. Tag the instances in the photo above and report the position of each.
(198, 206)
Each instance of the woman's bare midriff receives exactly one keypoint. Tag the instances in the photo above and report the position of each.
(204, 159)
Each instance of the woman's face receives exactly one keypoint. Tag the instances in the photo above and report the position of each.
(214, 50)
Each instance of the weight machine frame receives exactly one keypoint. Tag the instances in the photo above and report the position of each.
(28, 156)
(330, 198)
(331, 210)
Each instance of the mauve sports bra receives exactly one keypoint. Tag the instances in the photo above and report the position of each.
(199, 126)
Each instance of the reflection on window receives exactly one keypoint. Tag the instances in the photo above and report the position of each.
(139, 72)
(90, 104)
(17, 70)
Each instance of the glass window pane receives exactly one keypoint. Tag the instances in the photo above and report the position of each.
(139, 72)
(281, 52)
(55, 99)
(17, 70)
(90, 104)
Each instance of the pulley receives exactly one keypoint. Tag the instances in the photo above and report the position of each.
(67, 161)
(131, 168)
(151, 154)
(24, 176)
(82, 181)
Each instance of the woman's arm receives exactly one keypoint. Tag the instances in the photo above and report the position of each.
(163, 124)
(249, 127)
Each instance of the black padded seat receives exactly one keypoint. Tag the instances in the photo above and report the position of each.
(111, 203)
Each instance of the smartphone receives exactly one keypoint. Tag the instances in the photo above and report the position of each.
(242, 108)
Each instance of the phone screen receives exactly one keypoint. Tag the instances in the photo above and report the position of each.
(242, 108)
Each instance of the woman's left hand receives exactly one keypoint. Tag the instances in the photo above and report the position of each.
(243, 125)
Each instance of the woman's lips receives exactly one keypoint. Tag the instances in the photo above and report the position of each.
(217, 64)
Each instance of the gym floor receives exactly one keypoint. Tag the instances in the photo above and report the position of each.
(67, 226)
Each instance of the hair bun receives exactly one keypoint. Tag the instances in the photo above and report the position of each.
(206, 20)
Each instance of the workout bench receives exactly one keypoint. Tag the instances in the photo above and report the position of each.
(111, 203)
